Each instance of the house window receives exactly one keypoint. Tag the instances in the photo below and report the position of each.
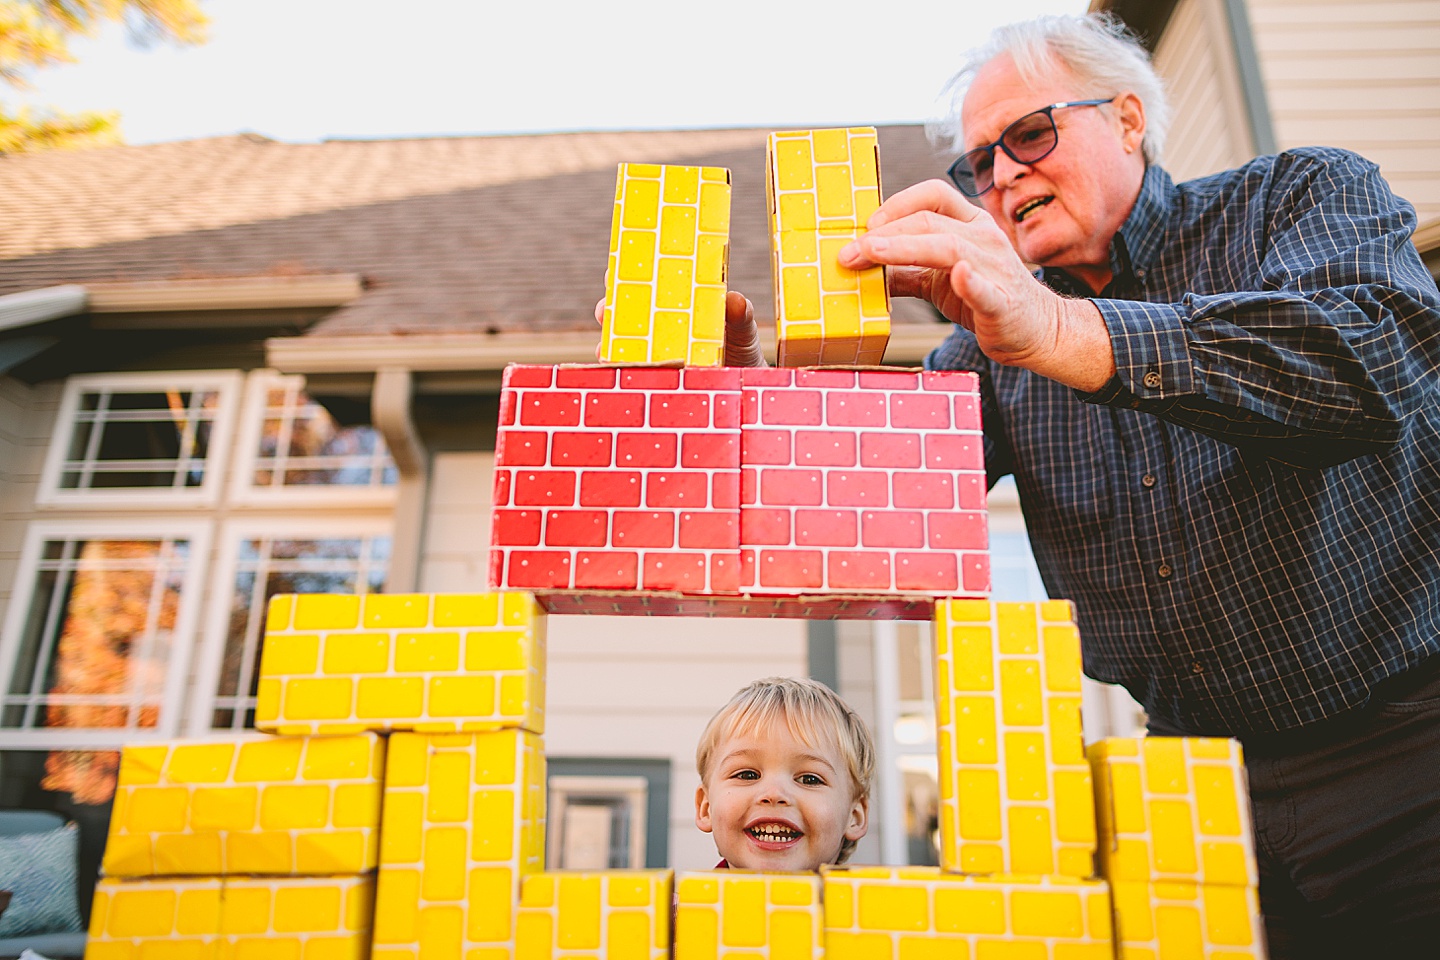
(292, 443)
(607, 813)
(270, 559)
(98, 633)
(126, 438)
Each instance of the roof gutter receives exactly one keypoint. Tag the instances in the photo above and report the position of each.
(231, 293)
(37, 306)
(482, 352)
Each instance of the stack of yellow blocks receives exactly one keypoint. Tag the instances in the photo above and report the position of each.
(1017, 820)
(241, 848)
(277, 846)
(738, 915)
(457, 682)
(822, 187)
(669, 248)
(1177, 845)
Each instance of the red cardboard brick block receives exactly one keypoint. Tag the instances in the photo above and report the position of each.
(862, 481)
(714, 481)
(641, 461)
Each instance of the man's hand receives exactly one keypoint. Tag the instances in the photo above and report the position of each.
(947, 251)
(742, 336)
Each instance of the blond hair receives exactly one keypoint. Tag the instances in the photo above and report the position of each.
(815, 715)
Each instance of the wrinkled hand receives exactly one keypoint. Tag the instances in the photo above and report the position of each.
(742, 336)
(942, 249)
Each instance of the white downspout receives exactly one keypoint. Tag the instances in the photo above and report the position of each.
(390, 411)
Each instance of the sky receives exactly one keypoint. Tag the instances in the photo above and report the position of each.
(307, 70)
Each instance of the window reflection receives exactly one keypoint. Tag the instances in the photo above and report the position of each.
(94, 650)
(267, 566)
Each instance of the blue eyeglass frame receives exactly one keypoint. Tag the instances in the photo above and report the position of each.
(989, 149)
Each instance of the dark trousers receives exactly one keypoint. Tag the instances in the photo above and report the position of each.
(1347, 828)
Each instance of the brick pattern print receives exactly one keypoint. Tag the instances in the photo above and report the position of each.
(822, 186)
(736, 915)
(862, 482)
(610, 915)
(618, 479)
(888, 913)
(669, 246)
(244, 918)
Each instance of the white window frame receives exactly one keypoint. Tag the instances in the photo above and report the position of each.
(198, 533)
(243, 490)
(201, 702)
(632, 789)
(227, 383)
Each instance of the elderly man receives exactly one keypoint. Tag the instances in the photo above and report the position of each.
(1219, 403)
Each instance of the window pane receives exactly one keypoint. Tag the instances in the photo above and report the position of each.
(139, 439)
(302, 444)
(96, 642)
(266, 567)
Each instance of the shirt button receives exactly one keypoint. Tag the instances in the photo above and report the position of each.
(1148, 480)
(1197, 667)
(1164, 571)
(1152, 380)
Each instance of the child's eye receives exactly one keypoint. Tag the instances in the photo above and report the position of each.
(811, 780)
(745, 775)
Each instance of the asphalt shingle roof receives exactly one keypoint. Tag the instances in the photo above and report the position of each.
(474, 234)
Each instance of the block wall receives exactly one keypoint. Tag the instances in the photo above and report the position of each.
(436, 663)
(282, 806)
(463, 823)
(665, 284)
(862, 482)
(1015, 787)
(738, 915)
(1177, 844)
(841, 482)
(321, 918)
(822, 187)
(610, 915)
(921, 913)
(617, 479)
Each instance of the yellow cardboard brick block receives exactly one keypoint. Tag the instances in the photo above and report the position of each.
(270, 806)
(734, 914)
(669, 250)
(464, 821)
(1015, 787)
(609, 915)
(921, 913)
(309, 918)
(1195, 921)
(1174, 808)
(822, 187)
(433, 663)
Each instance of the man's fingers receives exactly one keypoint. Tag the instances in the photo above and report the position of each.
(936, 196)
(600, 310)
(938, 251)
(742, 335)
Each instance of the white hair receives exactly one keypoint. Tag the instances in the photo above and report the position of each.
(1096, 48)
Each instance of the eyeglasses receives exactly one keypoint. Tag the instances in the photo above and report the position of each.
(1027, 140)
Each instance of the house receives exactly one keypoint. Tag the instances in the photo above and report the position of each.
(1250, 77)
(234, 367)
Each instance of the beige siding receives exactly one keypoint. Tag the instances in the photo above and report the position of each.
(27, 416)
(1364, 76)
(1210, 130)
(617, 686)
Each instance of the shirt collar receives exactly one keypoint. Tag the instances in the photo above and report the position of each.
(1139, 241)
(1142, 236)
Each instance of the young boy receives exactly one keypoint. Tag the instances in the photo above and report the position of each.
(785, 770)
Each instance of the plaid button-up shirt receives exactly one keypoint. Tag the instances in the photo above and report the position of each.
(1248, 515)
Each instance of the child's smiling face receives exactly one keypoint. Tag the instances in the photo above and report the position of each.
(774, 802)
